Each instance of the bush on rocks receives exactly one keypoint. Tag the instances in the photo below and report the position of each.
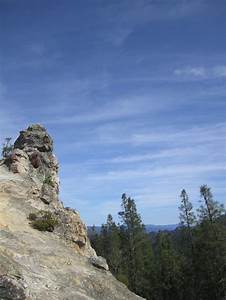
(43, 221)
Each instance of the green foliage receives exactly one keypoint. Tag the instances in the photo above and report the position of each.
(43, 221)
(187, 264)
(48, 180)
(210, 210)
(210, 260)
(7, 147)
(136, 250)
(108, 244)
(187, 216)
(168, 269)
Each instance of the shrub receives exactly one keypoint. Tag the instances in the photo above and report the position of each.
(43, 221)
(48, 180)
(7, 148)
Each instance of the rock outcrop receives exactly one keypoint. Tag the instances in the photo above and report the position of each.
(45, 265)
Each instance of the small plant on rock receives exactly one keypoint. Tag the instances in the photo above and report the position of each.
(7, 147)
(43, 221)
(48, 180)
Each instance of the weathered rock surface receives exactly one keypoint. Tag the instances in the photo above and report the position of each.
(99, 262)
(45, 265)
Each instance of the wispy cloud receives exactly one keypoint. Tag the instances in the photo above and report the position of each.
(173, 170)
(220, 71)
(131, 134)
(196, 134)
(201, 72)
(111, 110)
(182, 152)
(178, 159)
(191, 71)
(130, 14)
(133, 102)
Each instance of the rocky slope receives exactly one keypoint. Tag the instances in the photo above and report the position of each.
(40, 264)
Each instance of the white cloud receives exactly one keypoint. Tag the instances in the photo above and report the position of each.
(201, 72)
(220, 71)
(191, 71)
(124, 16)
(178, 152)
(135, 136)
(192, 135)
(111, 110)
(170, 170)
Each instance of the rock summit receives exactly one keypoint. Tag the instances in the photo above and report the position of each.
(55, 264)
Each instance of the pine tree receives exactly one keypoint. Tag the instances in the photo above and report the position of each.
(210, 248)
(168, 270)
(107, 244)
(187, 221)
(187, 216)
(211, 210)
(113, 248)
(95, 240)
(137, 248)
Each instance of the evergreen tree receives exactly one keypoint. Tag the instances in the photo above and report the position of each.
(210, 249)
(168, 270)
(113, 254)
(211, 210)
(95, 240)
(187, 221)
(187, 216)
(137, 250)
(188, 264)
(107, 244)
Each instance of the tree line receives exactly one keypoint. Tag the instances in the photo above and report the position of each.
(188, 263)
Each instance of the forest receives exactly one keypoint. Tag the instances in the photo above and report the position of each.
(188, 263)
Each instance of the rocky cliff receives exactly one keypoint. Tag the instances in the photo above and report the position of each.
(51, 264)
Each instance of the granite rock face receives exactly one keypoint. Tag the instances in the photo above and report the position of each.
(45, 265)
(33, 156)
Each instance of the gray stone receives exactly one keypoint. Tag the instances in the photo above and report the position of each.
(11, 288)
(99, 262)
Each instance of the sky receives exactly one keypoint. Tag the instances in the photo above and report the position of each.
(132, 92)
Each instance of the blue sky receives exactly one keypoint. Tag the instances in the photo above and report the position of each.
(133, 93)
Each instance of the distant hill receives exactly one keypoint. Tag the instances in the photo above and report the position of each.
(156, 228)
(148, 227)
